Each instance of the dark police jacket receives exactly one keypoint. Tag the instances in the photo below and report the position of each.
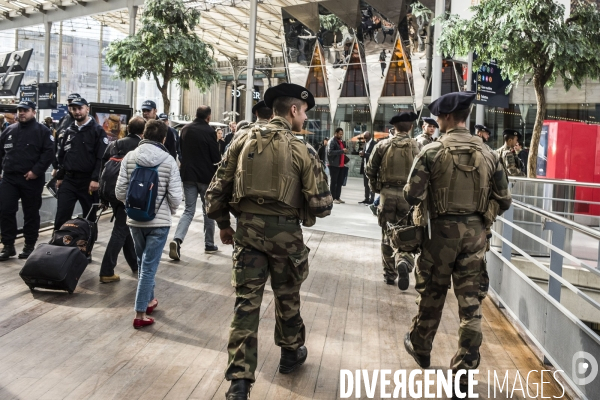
(121, 147)
(80, 151)
(200, 152)
(64, 123)
(26, 147)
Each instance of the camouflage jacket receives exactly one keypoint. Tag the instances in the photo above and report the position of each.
(424, 139)
(373, 166)
(318, 201)
(417, 189)
(512, 163)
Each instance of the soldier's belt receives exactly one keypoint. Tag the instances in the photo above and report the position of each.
(460, 217)
(273, 219)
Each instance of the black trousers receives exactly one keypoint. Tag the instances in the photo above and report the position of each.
(12, 188)
(337, 180)
(119, 239)
(368, 194)
(70, 192)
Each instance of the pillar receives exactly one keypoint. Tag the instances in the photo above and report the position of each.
(251, 59)
(130, 84)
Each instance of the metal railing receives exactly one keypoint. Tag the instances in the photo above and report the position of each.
(564, 339)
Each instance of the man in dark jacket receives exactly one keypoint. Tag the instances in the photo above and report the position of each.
(63, 124)
(200, 155)
(365, 154)
(171, 135)
(336, 156)
(79, 162)
(121, 236)
(26, 151)
(149, 112)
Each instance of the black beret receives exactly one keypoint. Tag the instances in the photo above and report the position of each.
(406, 116)
(511, 132)
(289, 90)
(482, 128)
(258, 106)
(430, 121)
(451, 102)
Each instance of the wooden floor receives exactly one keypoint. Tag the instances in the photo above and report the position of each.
(54, 345)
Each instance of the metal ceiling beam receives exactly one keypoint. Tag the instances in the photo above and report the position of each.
(70, 12)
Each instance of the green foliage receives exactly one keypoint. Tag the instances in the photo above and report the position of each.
(165, 48)
(529, 37)
(420, 11)
(331, 22)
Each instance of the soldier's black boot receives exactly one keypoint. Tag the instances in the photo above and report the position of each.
(423, 361)
(291, 360)
(239, 389)
(27, 250)
(403, 275)
(7, 252)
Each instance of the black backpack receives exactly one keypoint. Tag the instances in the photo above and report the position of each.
(78, 232)
(109, 177)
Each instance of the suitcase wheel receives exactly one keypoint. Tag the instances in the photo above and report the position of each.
(70, 292)
(31, 288)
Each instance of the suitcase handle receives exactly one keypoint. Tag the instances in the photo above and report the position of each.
(91, 208)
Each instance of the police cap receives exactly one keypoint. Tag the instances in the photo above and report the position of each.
(510, 133)
(148, 105)
(406, 116)
(258, 106)
(27, 105)
(289, 90)
(482, 128)
(73, 96)
(163, 117)
(79, 101)
(430, 121)
(451, 102)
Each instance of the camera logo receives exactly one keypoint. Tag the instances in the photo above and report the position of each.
(585, 368)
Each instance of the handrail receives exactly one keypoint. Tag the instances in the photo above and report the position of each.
(567, 223)
(556, 181)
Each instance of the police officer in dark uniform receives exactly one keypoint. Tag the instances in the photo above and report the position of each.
(149, 112)
(79, 162)
(63, 124)
(171, 135)
(26, 152)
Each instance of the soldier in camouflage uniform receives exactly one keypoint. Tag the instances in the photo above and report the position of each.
(271, 182)
(387, 170)
(507, 155)
(463, 185)
(429, 127)
(263, 116)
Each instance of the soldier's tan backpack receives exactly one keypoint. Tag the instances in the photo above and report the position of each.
(265, 171)
(460, 176)
(397, 162)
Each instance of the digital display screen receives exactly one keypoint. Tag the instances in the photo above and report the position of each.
(115, 125)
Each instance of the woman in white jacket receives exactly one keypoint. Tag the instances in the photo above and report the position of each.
(150, 237)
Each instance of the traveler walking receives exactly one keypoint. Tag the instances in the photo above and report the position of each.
(151, 161)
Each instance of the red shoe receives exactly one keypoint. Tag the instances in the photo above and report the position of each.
(140, 323)
(151, 308)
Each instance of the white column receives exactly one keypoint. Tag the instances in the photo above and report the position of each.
(130, 84)
(436, 67)
(48, 30)
(59, 72)
(251, 58)
(100, 47)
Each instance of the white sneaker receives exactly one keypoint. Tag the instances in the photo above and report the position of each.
(341, 201)
(336, 202)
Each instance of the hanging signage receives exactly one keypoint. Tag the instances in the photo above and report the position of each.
(46, 98)
(237, 93)
(489, 86)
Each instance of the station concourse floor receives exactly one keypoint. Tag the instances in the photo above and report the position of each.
(59, 346)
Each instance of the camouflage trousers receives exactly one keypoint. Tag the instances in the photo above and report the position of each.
(265, 246)
(455, 252)
(392, 208)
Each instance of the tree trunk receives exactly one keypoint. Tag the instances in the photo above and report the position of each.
(537, 127)
(165, 95)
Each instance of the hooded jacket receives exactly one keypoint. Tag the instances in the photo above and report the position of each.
(151, 154)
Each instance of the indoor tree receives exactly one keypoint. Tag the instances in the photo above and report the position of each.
(529, 39)
(165, 49)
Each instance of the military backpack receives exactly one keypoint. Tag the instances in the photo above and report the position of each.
(265, 172)
(397, 162)
(460, 177)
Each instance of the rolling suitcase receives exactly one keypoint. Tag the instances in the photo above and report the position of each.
(54, 267)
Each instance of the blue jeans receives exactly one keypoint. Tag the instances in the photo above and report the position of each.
(190, 193)
(149, 244)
